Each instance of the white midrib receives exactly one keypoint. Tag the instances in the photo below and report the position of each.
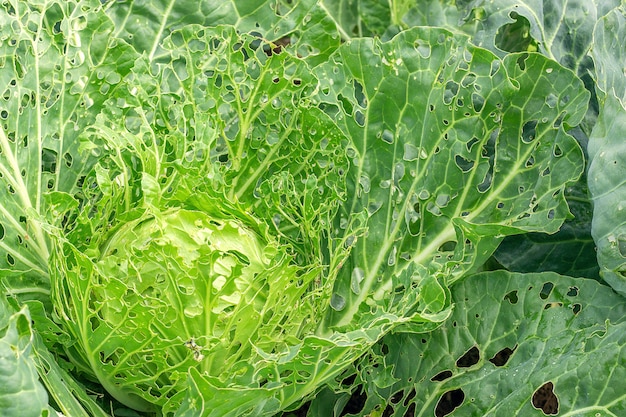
(157, 36)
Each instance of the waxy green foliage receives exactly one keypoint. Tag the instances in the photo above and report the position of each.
(252, 208)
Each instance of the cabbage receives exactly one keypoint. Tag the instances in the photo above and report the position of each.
(176, 289)
(226, 211)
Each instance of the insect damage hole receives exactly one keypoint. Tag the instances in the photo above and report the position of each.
(449, 402)
(545, 400)
(469, 358)
(502, 356)
(442, 376)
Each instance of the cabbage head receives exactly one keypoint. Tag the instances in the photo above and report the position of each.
(178, 289)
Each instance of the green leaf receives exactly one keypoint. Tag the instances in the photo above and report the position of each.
(570, 251)
(609, 54)
(303, 26)
(509, 335)
(442, 179)
(607, 151)
(57, 63)
(225, 131)
(561, 29)
(21, 393)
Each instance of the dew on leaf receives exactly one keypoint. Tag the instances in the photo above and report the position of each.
(449, 402)
(545, 400)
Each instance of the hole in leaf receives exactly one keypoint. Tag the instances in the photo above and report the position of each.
(409, 397)
(442, 376)
(410, 412)
(356, 402)
(468, 79)
(448, 246)
(512, 297)
(451, 90)
(521, 61)
(1, 231)
(546, 290)
(576, 308)
(486, 184)
(573, 292)
(396, 397)
(621, 245)
(469, 358)
(448, 402)
(557, 151)
(464, 164)
(515, 36)
(502, 356)
(477, 102)
(552, 305)
(529, 131)
(471, 143)
(545, 399)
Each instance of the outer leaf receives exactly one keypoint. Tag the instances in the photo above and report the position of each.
(607, 151)
(57, 63)
(508, 336)
(21, 394)
(571, 251)
(562, 29)
(609, 53)
(443, 178)
(302, 23)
